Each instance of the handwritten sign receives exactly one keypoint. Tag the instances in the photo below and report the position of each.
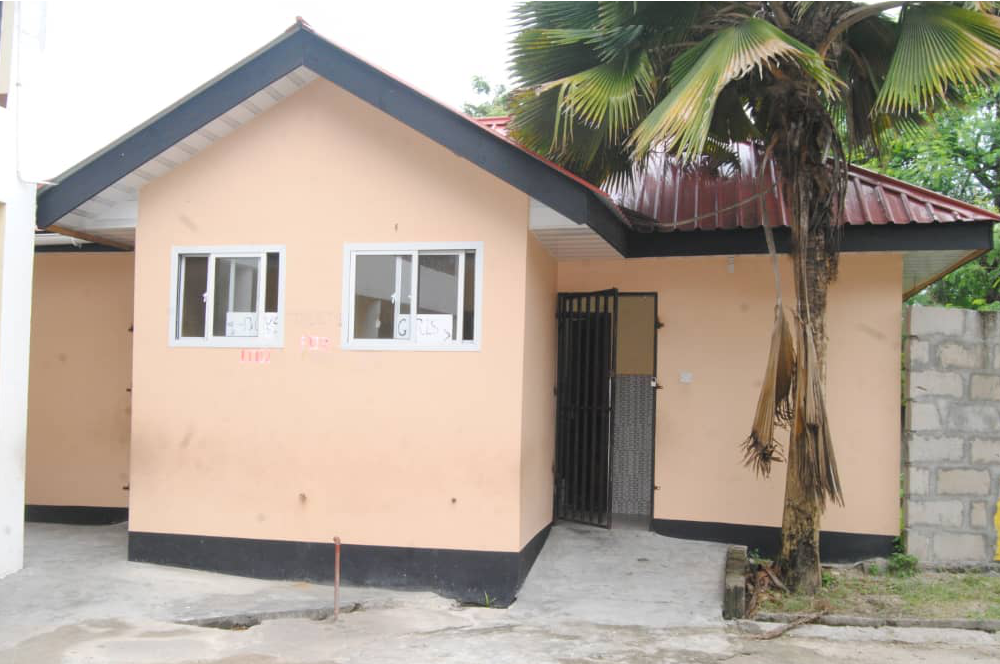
(431, 329)
(402, 328)
(244, 324)
(255, 356)
(434, 328)
(270, 324)
(314, 343)
(241, 324)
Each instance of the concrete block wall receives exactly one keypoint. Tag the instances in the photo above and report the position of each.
(951, 436)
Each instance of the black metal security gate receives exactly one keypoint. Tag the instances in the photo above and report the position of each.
(584, 394)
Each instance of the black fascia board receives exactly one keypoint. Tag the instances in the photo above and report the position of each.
(123, 157)
(959, 235)
(93, 247)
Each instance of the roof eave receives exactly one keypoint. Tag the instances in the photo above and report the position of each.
(300, 46)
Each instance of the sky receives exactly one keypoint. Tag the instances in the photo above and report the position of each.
(105, 67)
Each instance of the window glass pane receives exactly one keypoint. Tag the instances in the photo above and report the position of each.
(437, 298)
(236, 313)
(271, 283)
(191, 299)
(469, 297)
(382, 293)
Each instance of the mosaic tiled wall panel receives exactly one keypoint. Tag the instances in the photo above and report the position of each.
(632, 450)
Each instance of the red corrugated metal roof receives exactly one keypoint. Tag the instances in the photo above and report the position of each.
(497, 123)
(668, 197)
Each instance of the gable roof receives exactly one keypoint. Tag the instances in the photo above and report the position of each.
(97, 199)
(112, 176)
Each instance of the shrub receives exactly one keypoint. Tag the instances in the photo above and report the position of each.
(902, 564)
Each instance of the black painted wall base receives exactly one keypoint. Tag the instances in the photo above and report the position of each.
(78, 515)
(480, 577)
(834, 547)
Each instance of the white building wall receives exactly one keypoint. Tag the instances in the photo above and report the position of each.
(17, 222)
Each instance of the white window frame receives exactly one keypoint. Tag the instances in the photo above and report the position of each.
(351, 251)
(213, 252)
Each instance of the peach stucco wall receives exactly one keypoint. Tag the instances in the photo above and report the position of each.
(538, 424)
(80, 371)
(717, 327)
(418, 449)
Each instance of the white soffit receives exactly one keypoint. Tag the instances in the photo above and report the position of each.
(57, 240)
(566, 239)
(921, 266)
(112, 214)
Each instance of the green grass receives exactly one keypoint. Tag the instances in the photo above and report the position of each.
(925, 595)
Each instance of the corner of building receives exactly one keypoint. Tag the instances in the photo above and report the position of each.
(17, 217)
(538, 402)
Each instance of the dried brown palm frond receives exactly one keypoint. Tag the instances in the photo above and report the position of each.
(784, 377)
(775, 404)
(816, 465)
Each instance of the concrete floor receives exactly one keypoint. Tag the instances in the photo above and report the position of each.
(624, 577)
(79, 601)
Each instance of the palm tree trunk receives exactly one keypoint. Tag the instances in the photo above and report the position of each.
(800, 520)
(814, 192)
(799, 559)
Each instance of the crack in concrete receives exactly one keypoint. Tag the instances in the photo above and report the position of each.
(241, 621)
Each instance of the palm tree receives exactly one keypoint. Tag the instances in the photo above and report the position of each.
(602, 85)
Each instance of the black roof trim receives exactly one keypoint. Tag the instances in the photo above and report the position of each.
(971, 235)
(168, 128)
(302, 47)
(89, 248)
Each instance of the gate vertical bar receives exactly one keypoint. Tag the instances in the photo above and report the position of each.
(583, 440)
(593, 478)
(610, 392)
(581, 395)
(581, 496)
(573, 432)
(560, 387)
(595, 404)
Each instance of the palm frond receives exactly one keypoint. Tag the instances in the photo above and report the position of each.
(606, 95)
(814, 459)
(774, 406)
(555, 14)
(541, 58)
(589, 154)
(940, 46)
(799, 9)
(680, 122)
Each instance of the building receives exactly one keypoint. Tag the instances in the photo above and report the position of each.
(17, 212)
(358, 313)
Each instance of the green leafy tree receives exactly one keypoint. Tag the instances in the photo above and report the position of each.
(975, 285)
(957, 154)
(602, 85)
(497, 99)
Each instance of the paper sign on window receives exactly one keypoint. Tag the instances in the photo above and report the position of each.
(270, 324)
(244, 324)
(402, 328)
(241, 324)
(434, 328)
